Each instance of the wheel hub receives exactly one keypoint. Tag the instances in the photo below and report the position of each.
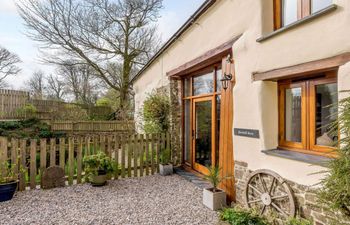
(266, 199)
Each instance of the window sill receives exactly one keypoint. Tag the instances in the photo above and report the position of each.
(307, 19)
(298, 156)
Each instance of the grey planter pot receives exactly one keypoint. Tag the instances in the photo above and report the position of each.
(214, 200)
(166, 169)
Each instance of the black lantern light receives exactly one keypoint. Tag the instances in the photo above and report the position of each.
(227, 77)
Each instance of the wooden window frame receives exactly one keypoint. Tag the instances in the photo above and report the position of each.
(304, 10)
(214, 68)
(308, 126)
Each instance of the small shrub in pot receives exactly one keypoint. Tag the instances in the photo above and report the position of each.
(97, 167)
(165, 166)
(214, 198)
(8, 181)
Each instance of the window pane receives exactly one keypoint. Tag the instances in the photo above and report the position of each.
(218, 80)
(293, 115)
(187, 87)
(317, 5)
(290, 11)
(326, 113)
(203, 118)
(203, 84)
(187, 131)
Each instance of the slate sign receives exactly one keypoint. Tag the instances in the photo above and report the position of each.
(247, 133)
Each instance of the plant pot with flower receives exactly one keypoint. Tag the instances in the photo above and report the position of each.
(214, 198)
(97, 168)
(165, 165)
(8, 181)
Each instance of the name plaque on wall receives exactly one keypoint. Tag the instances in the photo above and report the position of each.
(247, 133)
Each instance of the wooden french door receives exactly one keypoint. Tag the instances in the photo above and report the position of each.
(203, 134)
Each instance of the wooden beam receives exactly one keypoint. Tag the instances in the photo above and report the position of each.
(210, 57)
(303, 69)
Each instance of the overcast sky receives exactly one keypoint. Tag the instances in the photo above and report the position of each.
(173, 15)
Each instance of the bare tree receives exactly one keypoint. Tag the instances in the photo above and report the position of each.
(96, 32)
(55, 87)
(36, 84)
(8, 65)
(81, 82)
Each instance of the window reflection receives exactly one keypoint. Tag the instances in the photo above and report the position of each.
(187, 131)
(203, 84)
(290, 11)
(187, 87)
(218, 80)
(293, 115)
(317, 5)
(326, 113)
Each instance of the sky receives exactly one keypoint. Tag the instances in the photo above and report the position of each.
(12, 37)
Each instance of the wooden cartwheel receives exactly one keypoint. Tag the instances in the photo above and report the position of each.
(268, 192)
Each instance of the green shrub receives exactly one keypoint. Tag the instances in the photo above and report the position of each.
(10, 125)
(239, 216)
(156, 113)
(99, 161)
(165, 156)
(28, 110)
(298, 221)
(336, 185)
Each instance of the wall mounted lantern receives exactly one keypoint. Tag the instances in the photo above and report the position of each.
(227, 75)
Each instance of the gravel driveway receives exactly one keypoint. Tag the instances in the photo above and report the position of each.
(148, 200)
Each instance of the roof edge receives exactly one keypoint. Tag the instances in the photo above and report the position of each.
(199, 12)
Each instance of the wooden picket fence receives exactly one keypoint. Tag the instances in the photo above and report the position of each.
(137, 155)
(93, 126)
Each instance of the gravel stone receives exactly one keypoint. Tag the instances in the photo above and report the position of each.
(148, 200)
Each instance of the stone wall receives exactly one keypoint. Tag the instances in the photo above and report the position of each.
(176, 121)
(307, 205)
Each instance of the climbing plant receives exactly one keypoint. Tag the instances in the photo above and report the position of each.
(156, 112)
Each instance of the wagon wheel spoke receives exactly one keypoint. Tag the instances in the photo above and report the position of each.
(255, 189)
(271, 187)
(263, 184)
(255, 201)
(279, 197)
(279, 209)
(263, 210)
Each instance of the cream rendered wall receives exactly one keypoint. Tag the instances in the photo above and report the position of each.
(255, 103)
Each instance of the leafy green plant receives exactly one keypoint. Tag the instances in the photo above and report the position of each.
(240, 216)
(7, 172)
(98, 162)
(28, 110)
(336, 185)
(298, 221)
(165, 156)
(214, 177)
(156, 113)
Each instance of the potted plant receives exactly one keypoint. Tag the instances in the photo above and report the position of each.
(8, 181)
(214, 198)
(165, 166)
(97, 168)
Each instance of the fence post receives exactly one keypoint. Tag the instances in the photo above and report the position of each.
(22, 179)
(33, 172)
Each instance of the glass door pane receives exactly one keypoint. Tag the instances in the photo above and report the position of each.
(203, 133)
(293, 117)
(326, 113)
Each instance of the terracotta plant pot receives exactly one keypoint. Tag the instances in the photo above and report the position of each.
(165, 169)
(7, 191)
(214, 200)
(100, 179)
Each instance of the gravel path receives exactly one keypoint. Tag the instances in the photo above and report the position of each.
(148, 200)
